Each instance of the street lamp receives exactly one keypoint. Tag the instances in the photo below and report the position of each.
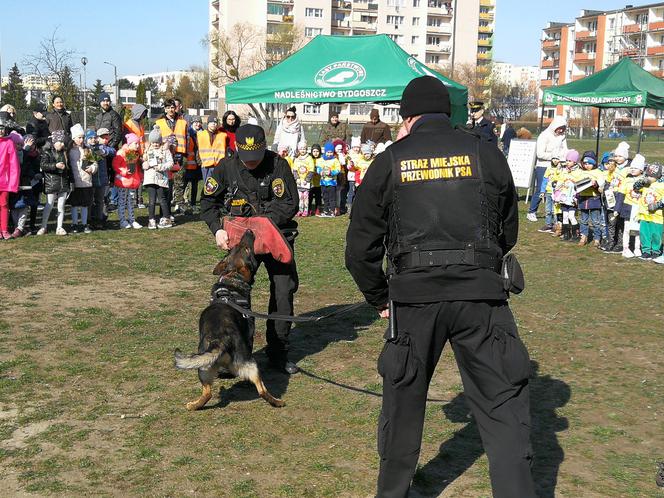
(117, 90)
(84, 61)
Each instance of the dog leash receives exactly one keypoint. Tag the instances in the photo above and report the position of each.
(287, 318)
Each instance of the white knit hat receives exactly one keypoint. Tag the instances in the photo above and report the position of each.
(622, 150)
(355, 142)
(77, 131)
(639, 162)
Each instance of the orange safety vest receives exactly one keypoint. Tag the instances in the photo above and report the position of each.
(180, 133)
(211, 154)
(138, 131)
(191, 155)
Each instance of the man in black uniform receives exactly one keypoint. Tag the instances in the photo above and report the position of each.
(443, 203)
(252, 182)
(480, 124)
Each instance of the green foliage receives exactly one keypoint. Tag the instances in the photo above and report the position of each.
(14, 93)
(68, 90)
(151, 86)
(95, 93)
(125, 84)
(140, 93)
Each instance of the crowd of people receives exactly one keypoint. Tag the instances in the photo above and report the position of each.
(613, 202)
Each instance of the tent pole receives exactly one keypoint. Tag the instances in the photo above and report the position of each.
(599, 123)
(541, 117)
(638, 143)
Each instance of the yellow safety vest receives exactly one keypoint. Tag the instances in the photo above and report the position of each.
(180, 133)
(211, 153)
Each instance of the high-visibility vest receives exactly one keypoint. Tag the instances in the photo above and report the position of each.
(138, 131)
(191, 155)
(180, 133)
(211, 153)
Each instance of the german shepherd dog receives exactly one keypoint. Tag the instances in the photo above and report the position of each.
(226, 336)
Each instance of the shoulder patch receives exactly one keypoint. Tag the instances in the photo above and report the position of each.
(211, 186)
(278, 187)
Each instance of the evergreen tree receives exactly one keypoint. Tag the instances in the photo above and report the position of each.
(125, 84)
(185, 92)
(68, 90)
(140, 93)
(95, 93)
(14, 93)
(168, 92)
(152, 86)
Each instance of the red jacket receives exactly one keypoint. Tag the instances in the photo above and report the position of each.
(123, 177)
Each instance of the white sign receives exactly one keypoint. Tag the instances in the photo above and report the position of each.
(341, 74)
(521, 160)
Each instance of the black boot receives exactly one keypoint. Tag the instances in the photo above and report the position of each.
(575, 235)
(566, 232)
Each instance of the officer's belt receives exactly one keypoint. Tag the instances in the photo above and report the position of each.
(445, 257)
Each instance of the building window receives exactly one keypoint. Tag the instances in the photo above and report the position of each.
(414, 39)
(592, 26)
(416, 3)
(434, 21)
(612, 23)
(433, 40)
(276, 9)
(642, 18)
(311, 32)
(395, 3)
(396, 38)
(396, 20)
(335, 108)
(432, 59)
(311, 109)
(359, 109)
(311, 12)
(368, 19)
(391, 113)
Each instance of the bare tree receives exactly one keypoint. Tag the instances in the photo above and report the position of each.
(52, 60)
(513, 102)
(245, 50)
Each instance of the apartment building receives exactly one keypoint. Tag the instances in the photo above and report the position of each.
(437, 32)
(597, 39)
(514, 75)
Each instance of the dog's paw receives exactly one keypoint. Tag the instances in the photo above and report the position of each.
(277, 403)
(192, 406)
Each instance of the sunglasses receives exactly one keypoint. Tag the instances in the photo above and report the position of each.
(290, 116)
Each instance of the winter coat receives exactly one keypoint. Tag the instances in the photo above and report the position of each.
(60, 120)
(157, 162)
(330, 132)
(378, 133)
(549, 145)
(82, 179)
(100, 177)
(288, 134)
(112, 121)
(38, 128)
(124, 176)
(10, 168)
(55, 180)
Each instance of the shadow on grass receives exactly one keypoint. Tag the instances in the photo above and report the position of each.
(459, 453)
(306, 339)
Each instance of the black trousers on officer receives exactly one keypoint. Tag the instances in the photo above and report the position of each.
(283, 285)
(494, 367)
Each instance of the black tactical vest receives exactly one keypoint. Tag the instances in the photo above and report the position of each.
(240, 199)
(440, 212)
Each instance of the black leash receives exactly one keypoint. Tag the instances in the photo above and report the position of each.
(287, 318)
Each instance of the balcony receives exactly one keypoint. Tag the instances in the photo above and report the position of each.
(656, 51)
(656, 26)
(365, 26)
(548, 83)
(484, 56)
(549, 63)
(583, 57)
(586, 35)
(629, 52)
(438, 11)
(550, 43)
(287, 19)
(341, 5)
(215, 21)
(485, 43)
(486, 16)
(439, 30)
(485, 29)
(579, 77)
(487, 3)
(438, 48)
(361, 6)
(343, 24)
(633, 28)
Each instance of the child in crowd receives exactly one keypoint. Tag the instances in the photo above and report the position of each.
(354, 155)
(303, 171)
(611, 191)
(621, 155)
(127, 179)
(546, 192)
(565, 194)
(362, 164)
(21, 201)
(315, 198)
(650, 212)
(590, 200)
(627, 207)
(328, 168)
(284, 151)
(100, 178)
(157, 162)
(10, 174)
(83, 165)
(341, 151)
(55, 165)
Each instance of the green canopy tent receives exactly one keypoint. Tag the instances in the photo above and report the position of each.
(622, 85)
(342, 69)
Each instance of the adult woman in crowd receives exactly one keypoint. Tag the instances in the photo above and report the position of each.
(230, 122)
(59, 119)
(289, 132)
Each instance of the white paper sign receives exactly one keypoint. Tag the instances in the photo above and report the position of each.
(521, 160)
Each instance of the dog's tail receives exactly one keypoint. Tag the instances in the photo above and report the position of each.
(202, 360)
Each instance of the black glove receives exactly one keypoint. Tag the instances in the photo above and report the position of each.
(640, 184)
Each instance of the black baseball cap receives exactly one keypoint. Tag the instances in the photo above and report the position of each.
(250, 141)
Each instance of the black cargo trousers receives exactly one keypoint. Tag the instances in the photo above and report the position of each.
(494, 366)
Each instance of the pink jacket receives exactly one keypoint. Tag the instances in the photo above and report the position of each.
(10, 168)
(123, 178)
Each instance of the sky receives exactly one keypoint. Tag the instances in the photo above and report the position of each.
(135, 39)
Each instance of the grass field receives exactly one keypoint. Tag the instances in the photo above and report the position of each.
(91, 405)
(652, 150)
